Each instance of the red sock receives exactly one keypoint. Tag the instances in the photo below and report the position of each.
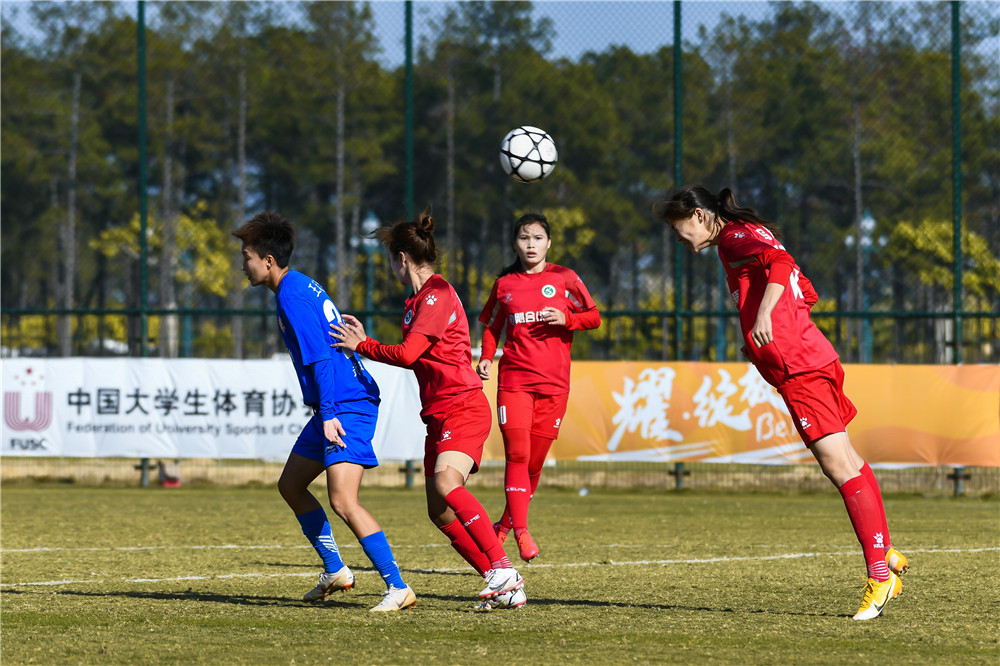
(477, 523)
(466, 547)
(869, 475)
(505, 518)
(862, 508)
(517, 446)
(539, 450)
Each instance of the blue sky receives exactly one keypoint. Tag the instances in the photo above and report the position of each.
(593, 25)
(580, 25)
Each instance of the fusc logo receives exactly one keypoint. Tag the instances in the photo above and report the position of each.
(12, 412)
(27, 444)
(548, 291)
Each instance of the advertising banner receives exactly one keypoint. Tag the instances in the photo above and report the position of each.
(618, 411)
(181, 408)
(725, 412)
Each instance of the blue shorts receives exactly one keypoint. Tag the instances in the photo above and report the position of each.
(359, 429)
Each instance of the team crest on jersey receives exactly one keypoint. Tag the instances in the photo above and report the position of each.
(508, 297)
(739, 234)
(548, 291)
(408, 318)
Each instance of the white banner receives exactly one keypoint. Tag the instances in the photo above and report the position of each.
(181, 408)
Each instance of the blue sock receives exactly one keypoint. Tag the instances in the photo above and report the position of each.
(317, 529)
(376, 547)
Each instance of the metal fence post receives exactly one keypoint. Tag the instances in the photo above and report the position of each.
(678, 161)
(956, 168)
(143, 176)
(959, 476)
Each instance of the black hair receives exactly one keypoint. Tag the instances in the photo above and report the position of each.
(520, 223)
(682, 204)
(268, 233)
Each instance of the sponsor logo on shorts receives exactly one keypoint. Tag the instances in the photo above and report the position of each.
(558, 422)
(804, 422)
(445, 436)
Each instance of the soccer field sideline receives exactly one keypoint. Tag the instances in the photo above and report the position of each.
(360, 571)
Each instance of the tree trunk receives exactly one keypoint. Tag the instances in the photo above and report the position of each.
(241, 199)
(354, 234)
(450, 178)
(168, 252)
(859, 276)
(64, 329)
(342, 293)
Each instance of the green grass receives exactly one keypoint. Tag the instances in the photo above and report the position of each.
(623, 577)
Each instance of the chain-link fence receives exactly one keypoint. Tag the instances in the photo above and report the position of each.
(137, 135)
(867, 130)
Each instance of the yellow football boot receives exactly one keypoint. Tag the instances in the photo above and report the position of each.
(877, 595)
(896, 561)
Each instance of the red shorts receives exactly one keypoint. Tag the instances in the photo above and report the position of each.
(464, 427)
(524, 410)
(817, 402)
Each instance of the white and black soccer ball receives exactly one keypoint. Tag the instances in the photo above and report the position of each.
(528, 154)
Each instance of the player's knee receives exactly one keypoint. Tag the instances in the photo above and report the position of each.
(342, 505)
(516, 457)
(285, 489)
(444, 484)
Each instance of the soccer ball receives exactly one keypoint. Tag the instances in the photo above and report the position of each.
(528, 154)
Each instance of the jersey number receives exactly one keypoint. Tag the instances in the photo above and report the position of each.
(333, 315)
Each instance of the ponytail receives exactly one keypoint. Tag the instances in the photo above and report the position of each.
(414, 238)
(682, 204)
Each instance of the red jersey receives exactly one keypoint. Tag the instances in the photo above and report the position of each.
(536, 355)
(752, 257)
(444, 372)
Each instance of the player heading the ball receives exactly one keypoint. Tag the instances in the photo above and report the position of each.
(774, 300)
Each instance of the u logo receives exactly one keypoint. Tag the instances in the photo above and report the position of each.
(12, 411)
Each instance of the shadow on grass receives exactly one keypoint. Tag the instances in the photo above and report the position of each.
(203, 597)
(533, 601)
(365, 600)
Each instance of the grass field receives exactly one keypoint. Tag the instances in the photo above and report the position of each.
(214, 575)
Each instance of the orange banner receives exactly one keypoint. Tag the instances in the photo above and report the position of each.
(725, 412)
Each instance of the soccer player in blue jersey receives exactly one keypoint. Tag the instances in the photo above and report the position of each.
(344, 399)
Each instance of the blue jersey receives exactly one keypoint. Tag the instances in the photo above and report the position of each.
(333, 380)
